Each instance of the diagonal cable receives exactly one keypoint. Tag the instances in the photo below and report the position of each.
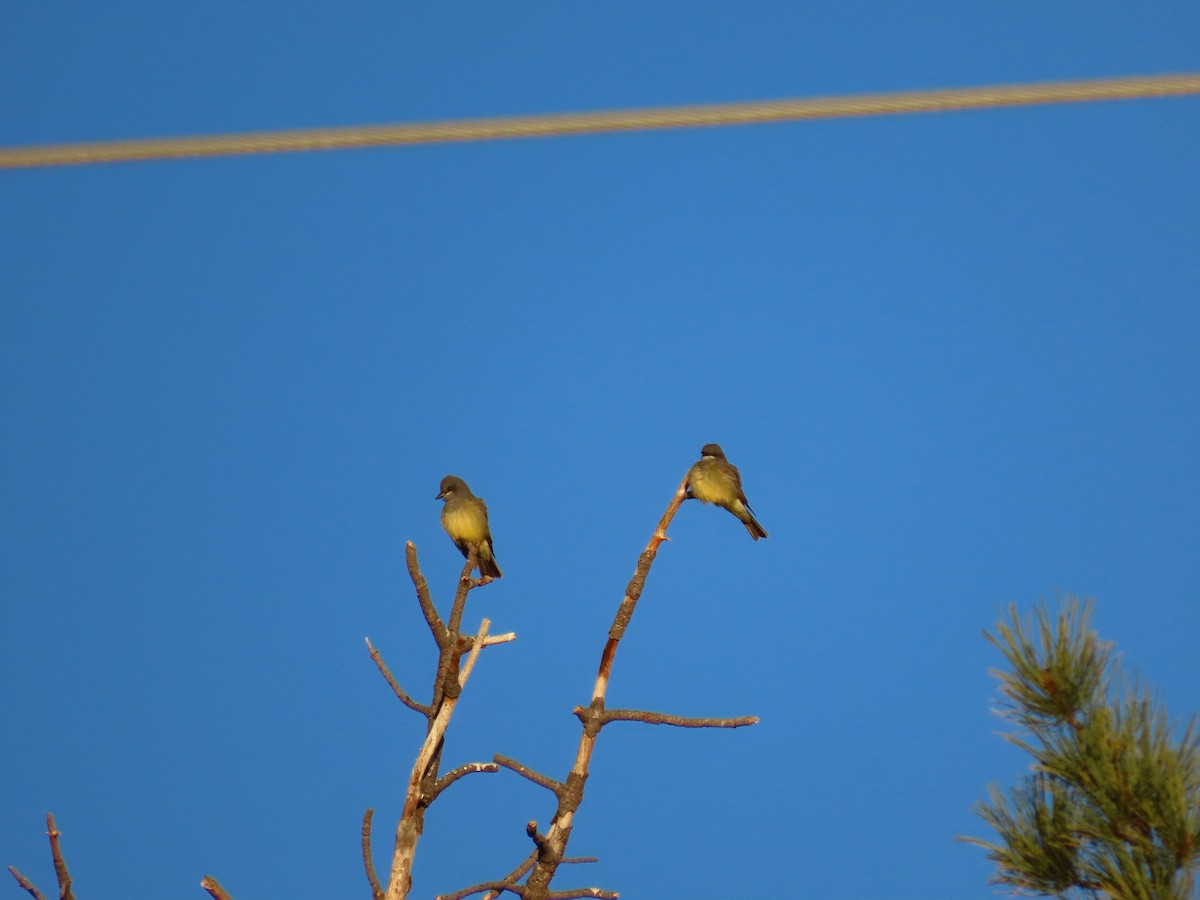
(563, 124)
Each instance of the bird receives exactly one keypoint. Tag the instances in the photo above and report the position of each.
(465, 518)
(713, 479)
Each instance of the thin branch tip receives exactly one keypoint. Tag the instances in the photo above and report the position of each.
(26, 884)
(554, 787)
(214, 888)
(657, 718)
(400, 693)
(368, 857)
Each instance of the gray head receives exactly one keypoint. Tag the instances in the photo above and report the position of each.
(452, 485)
(713, 450)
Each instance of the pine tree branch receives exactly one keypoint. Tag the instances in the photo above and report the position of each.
(1113, 803)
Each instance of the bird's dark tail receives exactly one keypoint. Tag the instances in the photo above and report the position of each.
(752, 526)
(487, 563)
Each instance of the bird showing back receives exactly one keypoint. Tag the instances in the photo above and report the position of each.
(713, 479)
(465, 519)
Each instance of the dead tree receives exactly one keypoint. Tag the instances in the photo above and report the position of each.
(424, 785)
(549, 851)
(457, 654)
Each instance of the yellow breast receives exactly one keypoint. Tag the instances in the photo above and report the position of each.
(465, 524)
(710, 485)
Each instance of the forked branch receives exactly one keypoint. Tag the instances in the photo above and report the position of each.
(543, 864)
(453, 670)
(60, 867)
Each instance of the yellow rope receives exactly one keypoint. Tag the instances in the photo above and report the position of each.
(554, 125)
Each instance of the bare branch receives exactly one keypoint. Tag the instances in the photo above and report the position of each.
(571, 795)
(445, 682)
(494, 889)
(500, 638)
(655, 718)
(396, 689)
(509, 882)
(555, 787)
(451, 676)
(27, 884)
(543, 864)
(368, 860)
(594, 716)
(633, 591)
(465, 583)
(453, 775)
(423, 596)
(539, 839)
(211, 885)
(473, 656)
(408, 831)
(465, 641)
(60, 865)
(515, 875)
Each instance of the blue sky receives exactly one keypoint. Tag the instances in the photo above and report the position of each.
(955, 357)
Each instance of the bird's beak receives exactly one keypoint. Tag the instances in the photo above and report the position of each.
(440, 496)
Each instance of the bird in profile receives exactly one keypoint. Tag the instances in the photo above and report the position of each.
(713, 479)
(465, 518)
